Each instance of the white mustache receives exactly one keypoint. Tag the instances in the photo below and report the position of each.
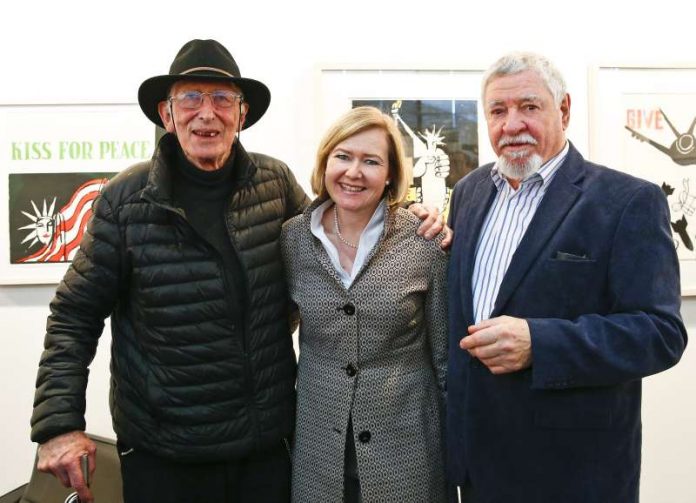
(523, 138)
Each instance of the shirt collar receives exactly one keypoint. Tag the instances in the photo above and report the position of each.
(373, 228)
(369, 238)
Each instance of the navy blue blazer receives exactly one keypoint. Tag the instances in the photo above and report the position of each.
(597, 278)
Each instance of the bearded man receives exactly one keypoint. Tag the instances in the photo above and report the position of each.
(563, 293)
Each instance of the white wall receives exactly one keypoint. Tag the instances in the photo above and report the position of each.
(75, 51)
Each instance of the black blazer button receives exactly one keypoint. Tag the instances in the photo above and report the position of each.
(350, 370)
(364, 436)
(349, 309)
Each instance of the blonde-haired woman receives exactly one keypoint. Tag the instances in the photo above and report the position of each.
(372, 300)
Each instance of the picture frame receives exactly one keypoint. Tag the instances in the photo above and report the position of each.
(438, 111)
(642, 120)
(54, 161)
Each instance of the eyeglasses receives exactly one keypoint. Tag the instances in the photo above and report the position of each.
(191, 100)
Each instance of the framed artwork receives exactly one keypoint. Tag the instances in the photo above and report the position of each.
(55, 159)
(642, 122)
(438, 112)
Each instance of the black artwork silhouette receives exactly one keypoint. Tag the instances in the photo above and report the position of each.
(680, 228)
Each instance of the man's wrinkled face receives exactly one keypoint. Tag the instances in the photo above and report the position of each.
(526, 126)
(206, 133)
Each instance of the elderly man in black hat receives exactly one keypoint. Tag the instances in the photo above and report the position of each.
(182, 252)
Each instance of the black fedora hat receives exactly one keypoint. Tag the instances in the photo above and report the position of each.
(203, 60)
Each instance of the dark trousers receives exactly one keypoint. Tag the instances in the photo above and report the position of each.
(259, 478)
(351, 480)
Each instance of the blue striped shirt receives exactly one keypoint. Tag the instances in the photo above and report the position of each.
(503, 229)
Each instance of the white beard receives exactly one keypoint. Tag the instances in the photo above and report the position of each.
(514, 166)
(519, 169)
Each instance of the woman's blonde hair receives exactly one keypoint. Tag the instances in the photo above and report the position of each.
(356, 121)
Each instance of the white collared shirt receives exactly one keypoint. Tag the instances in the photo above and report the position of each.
(368, 239)
(503, 229)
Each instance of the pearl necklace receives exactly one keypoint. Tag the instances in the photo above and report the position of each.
(338, 231)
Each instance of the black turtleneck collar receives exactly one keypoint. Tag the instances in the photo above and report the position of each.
(193, 186)
(171, 170)
(196, 175)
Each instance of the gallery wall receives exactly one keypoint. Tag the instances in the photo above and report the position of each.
(83, 52)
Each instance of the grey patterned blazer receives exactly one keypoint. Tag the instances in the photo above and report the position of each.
(376, 351)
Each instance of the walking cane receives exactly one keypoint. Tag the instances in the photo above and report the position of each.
(84, 464)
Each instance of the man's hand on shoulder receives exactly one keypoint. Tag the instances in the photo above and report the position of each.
(61, 457)
(432, 223)
(502, 344)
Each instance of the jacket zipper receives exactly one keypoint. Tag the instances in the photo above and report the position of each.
(248, 374)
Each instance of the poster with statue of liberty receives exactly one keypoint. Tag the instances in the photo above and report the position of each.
(437, 109)
(49, 214)
(440, 141)
(54, 162)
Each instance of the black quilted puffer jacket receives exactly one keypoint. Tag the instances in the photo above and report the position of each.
(186, 382)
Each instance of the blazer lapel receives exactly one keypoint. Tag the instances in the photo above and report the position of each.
(320, 254)
(558, 200)
(478, 205)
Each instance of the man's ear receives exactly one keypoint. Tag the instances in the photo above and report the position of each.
(166, 116)
(565, 111)
(243, 113)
